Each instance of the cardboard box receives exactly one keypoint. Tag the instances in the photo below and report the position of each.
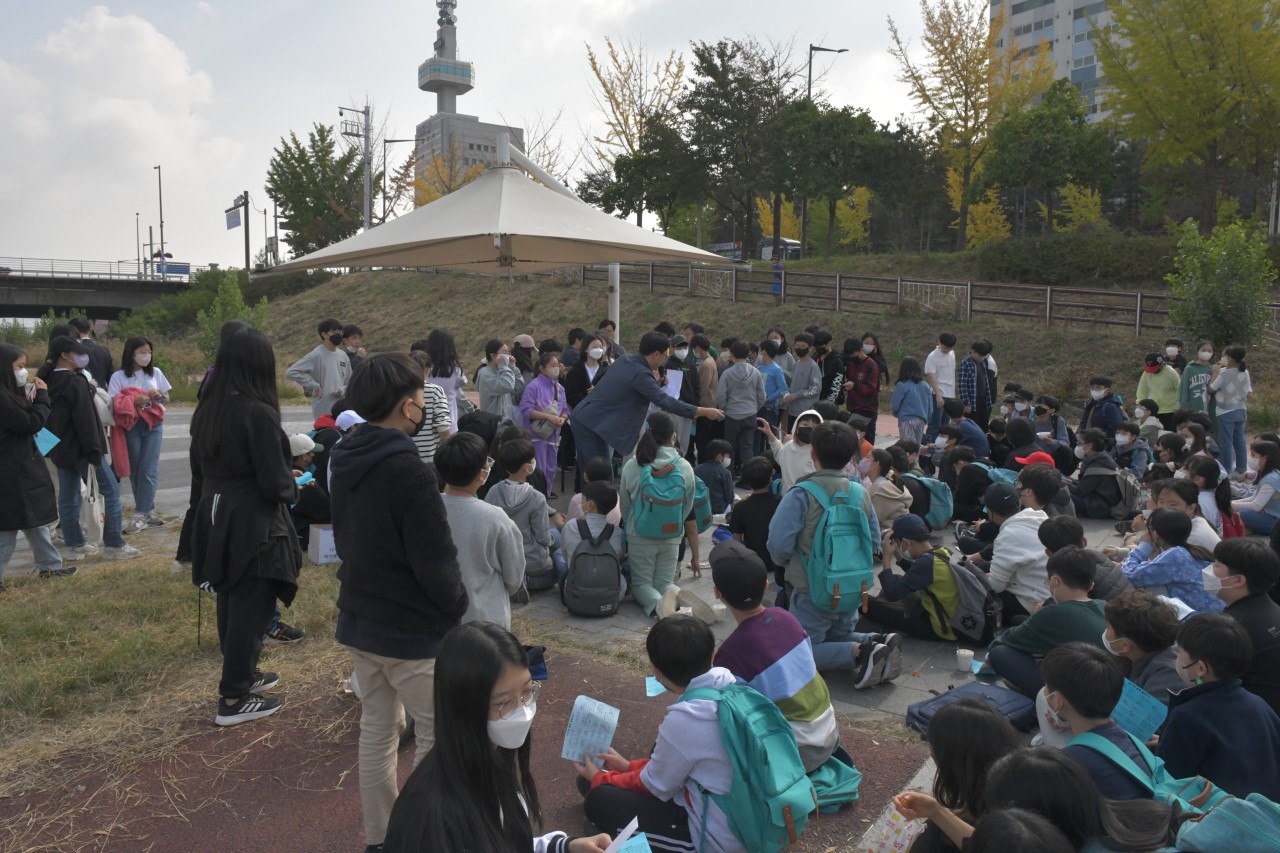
(321, 550)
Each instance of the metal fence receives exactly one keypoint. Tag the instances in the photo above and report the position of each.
(958, 300)
(121, 270)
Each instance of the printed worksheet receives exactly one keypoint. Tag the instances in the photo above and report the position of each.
(1138, 712)
(590, 730)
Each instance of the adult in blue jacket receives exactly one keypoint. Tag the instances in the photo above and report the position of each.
(612, 415)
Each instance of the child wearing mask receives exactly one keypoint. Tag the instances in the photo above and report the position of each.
(793, 454)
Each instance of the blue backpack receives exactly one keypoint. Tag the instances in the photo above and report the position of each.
(771, 798)
(659, 511)
(998, 475)
(701, 505)
(840, 564)
(941, 501)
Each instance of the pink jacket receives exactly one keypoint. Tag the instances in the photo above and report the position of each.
(127, 414)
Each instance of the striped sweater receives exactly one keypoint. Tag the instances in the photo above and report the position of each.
(771, 653)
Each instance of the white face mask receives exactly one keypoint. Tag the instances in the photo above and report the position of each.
(1121, 440)
(1171, 351)
(1212, 583)
(1053, 715)
(1253, 463)
(353, 350)
(1004, 410)
(1106, 644)
(1139, 413)
(1079, 451)
(553, 372)
(1187, 442)
(1205, 354)
(726, 462)
(777, 341)
(533, 466)
(868, 348)
(941, 442)
(20, 376)
(596, 352)
(904, 553)
(142, 359)
(1097, 393)
(682, 354)
(512, 730)
(1180, 474)
(1021, 407)
(503, 360)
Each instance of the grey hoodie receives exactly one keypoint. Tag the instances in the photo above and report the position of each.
(527, 507)
(741, 391)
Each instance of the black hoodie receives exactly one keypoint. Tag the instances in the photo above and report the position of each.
(401, 589)
(74, 420)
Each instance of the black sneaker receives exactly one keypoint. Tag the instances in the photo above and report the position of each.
(64, 572)
(893, 655)
(264, 681)
(282, 632)
(521, 595)
(250, 707)
(872, 658)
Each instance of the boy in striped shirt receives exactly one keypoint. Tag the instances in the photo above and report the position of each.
(770, 652)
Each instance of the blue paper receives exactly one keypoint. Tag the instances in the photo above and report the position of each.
(980, 667)
(304, 479)
(1138, 712)
(46, 441)
(590, 730)
(652, 687)
(638, 843)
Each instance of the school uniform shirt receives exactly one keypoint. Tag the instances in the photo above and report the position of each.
(942, 367)
(771, 653)
(1053, 625)
(1018, 561)
(1174, 573)
(688, 758)
(1226, 734)
(1260, 616)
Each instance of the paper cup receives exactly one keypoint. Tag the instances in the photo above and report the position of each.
(964, 659)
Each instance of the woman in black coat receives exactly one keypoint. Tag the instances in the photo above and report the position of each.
(243, 543)
(28, 503)
(579, 379)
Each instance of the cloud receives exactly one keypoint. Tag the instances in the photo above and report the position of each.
(92, 109)
(204, 10)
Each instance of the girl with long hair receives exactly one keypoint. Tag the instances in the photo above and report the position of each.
(1261, 509)
(1215, 491)
(912, 401)
(1231, 388)
(545, 411)
(474, 790)
(1166, 560)
(244, 547)
(446, 371)
(138, 378)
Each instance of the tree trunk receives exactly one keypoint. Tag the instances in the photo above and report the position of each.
(640, 217)
(966, 175)
(777, 224)
(831, 224)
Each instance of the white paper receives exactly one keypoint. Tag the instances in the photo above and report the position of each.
(675, 378)
(590, 730)
(626, 833)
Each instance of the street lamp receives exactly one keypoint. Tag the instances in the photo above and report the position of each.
(160, 186)
(355, 130)
(137, 238)
(385, 142)
(804, 205)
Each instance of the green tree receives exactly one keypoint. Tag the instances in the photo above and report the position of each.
(910, 204)
(968, 81)
(1040, 148)
(319, 191)
(228, 304)
(1220, 283)
(1200, 82)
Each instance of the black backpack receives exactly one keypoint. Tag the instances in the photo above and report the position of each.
(593, 584)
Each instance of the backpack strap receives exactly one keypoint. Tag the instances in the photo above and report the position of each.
(815, 491)
(1118, 757)
(583, 530)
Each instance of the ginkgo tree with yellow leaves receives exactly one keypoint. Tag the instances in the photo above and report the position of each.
(443, 174)
(966, 82)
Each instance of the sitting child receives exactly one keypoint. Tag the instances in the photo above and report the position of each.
(527, 507)
(915, 602)
(1141, 629)
(666, 790)
(770, 651)
(1216, 728)
(751, 516)
(599, 501)
(1061, 531)
(1072, 617)
(715, 473)
(596, 470)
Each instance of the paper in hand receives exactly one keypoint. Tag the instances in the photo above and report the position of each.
(653, 687)
(46, 441)
(590, 730)
(630, 841)
(1138, 712)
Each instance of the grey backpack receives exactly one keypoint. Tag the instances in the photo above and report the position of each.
(593, 584)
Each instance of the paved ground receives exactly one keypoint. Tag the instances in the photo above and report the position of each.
(928, 667)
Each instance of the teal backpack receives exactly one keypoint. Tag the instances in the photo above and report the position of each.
(659, 511)
(771, 798)
(1196, 795)
(701, 505)
(1249, 825)
(941, 501)
(998, 475)
(841, 561)
(835, 784)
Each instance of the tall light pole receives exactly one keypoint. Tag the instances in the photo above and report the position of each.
(385, 142)
(137, 238)
(352, 129)
(804, 205)
(160, 187)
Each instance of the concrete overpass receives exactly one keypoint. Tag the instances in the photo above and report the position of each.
(29, 287)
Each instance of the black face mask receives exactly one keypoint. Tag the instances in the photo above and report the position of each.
(420, 422)
(1041, 411)
(802, 352)
(336, 339)
(804, 435)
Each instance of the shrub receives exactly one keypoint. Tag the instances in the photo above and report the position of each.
(227, 304)
(1089, 256)
(1220, 283)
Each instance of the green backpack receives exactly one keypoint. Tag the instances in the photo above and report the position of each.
(771, 798)
(840, 562)
(701, 505)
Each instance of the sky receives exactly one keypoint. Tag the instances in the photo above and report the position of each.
(96, 96)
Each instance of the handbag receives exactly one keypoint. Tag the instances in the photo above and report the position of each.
(102, 404)
(91, 508)
(546, 429)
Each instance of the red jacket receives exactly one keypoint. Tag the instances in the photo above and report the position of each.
(125, 408)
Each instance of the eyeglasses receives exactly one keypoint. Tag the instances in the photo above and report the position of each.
(526, 698)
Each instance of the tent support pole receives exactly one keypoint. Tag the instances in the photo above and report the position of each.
(615, 299)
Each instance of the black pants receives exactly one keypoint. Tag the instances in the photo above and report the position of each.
(704, 434)
(894, 616)
(244, 615)
(1013, 609)
(870, 434)
(665, 823)
(741, 435)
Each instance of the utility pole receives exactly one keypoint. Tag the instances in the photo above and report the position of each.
(804, 205)
(362, 133)
(160, 186)
(137, 239)
(247, 268)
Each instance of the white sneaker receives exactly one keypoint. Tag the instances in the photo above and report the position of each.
(155, 519)
(79, 552)
(670, 602)
(124, 552)
(136, 523)
(701, 610)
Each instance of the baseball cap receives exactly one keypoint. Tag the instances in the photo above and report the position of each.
(347, 420)
(910, 527)
(1002, 498)
(679, 341)
(1154, 361)
(524, 341)
(63, 344)
(303, 443)
(1039, 457)
(739, 574)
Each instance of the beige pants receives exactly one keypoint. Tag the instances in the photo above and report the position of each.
(388, 685)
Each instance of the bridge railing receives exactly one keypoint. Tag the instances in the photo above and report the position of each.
(64, 268)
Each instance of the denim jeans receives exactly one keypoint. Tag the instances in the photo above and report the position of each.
(832, 634)
(1256, 522)
(69, 480)
(589, 445)
(1231, 441)
(557, 556)
(144, 462)
(42, 549)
